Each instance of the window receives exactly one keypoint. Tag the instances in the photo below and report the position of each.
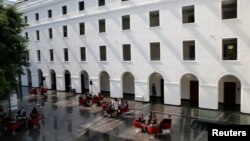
(82, 28)
(37, 16)
(188, 14)
(81, 5)
(51, 55)
(188, 50)
(103, 55)
(154, 18)
(25, 19)
(66, 56)
(38, 55)
(155, 51)
(50, 13)
(126, 52)
(124, 0)
(102, 25)
(65, 31)
(101, 2)
(229, 9)
(229, 49)
(83, 53)
(64, 10)
(50, 33)
(125, 22)
(27, 56)
(37, 35)
(26, 35)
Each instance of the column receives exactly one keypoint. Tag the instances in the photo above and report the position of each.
(245, 98)
(208, 97)
(95, 87)
(35, 81)
(60, 84)
(115, 88)
(142, 90)
(172, 93)
(75, 84)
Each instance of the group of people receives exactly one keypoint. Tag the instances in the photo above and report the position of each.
(152, 120)
(89, 99)
(116, 107)
(22, 114)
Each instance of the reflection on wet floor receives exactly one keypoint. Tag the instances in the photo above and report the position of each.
(64, 120)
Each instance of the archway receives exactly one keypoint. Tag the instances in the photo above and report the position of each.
(128, 86)
(40, 78)
(84, 82)
(104, 83)
(229, 92)
(190, 90)
(29, 79)
(53, 79)
(67, 77)
(156, 88)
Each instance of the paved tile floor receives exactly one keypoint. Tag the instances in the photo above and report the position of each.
(63, 120)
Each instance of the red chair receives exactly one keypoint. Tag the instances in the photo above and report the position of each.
(34, 122)
(105, 105)
(136, 124)
(153, 130)
(13, 126)
(82, 101)
(166, 124)
(43, 90)
(94, 100)
(124, 110)
(33, 91)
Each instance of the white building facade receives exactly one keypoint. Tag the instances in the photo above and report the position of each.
(191, 49)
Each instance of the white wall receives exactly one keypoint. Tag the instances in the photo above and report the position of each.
(207, 32)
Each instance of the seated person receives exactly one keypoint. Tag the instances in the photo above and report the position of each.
(21, 113)
(152, 118)
(142, 123)
(34, 113)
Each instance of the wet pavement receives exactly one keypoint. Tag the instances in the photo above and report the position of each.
(63, 119)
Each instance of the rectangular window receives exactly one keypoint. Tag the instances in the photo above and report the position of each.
(66, 56)
(126, 52)
(25, 19)
(83, 53)
(50, 13)
(229, 49)
(65, 31)
(38, 55)
(64, 9)
(26, 35)
(27, 56)
(50, 33)
(125, 22)
(101, 3)
(51, 55)
(81, 5)
(37, 16)
(189, 50)
(155, 53)
(229, 9)
(124, 0)
(37, 35)
(82, 28)
(102, 26)
(188, 14)
(154, 18)
(103, 54)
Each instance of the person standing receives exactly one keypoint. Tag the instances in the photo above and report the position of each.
(153, 90)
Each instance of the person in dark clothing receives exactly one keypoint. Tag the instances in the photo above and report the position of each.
(153, 90)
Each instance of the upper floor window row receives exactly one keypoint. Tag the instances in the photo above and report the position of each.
(228, 11)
